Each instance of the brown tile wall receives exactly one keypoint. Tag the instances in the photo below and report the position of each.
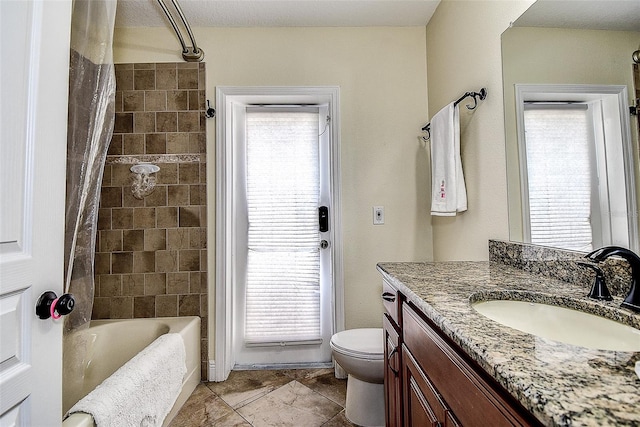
(151, 254)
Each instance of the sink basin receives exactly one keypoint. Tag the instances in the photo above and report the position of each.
(561, 324)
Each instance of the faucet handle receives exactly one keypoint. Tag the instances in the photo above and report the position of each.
(599, 289)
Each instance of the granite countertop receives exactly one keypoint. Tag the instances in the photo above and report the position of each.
(561, 384)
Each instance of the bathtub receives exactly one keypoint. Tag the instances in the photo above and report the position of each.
(108, 344)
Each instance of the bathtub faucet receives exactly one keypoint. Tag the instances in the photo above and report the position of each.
(632, 300)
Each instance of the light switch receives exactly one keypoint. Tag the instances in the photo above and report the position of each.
(378, 215)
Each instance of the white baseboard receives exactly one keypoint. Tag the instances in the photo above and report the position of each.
(212, 370)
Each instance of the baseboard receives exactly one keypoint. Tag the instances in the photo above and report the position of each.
(212, 371)
(256, 367)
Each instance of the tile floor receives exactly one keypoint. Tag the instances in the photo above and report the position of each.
(296, 397)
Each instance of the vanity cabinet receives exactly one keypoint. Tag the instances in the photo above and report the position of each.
(429, 380)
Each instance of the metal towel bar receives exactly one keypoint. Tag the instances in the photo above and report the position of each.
(475, 95)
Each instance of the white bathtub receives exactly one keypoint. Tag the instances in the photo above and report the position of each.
(108, 344)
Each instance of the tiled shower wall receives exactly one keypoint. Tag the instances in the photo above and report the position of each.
(151, 253)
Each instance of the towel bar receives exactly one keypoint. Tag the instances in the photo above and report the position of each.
(482, 94)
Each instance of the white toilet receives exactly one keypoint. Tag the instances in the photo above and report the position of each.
(360, 353)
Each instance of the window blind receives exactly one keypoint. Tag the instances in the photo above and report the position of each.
(283, 265)
(558, 149)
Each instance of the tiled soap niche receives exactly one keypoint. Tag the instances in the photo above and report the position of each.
(151, 251)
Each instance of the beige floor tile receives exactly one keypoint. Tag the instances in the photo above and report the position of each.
(339, 420)
(306, 374)
(278, 398)
(203, 408)
(231, 420)
(291, 405)
(328, 385)
(243, 387)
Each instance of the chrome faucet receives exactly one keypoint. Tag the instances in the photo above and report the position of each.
(632, 300)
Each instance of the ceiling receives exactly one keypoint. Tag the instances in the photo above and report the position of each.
(616, 15)
(280, 13)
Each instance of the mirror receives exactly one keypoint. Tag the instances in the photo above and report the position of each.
(562, 44)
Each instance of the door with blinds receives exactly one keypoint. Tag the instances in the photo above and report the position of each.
(283, 281)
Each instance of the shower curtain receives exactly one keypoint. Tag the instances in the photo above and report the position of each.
(90, 127)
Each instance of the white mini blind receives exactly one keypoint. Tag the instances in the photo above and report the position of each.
(559, 150)
(283, 265)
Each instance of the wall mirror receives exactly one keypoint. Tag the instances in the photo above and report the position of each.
(567, 69)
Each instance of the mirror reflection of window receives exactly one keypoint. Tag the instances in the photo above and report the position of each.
(576, 166)
(560, 176)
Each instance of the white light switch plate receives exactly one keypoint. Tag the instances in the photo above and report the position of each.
(378, 215)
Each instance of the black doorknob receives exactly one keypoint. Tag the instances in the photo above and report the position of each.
(49, 305)
(65, 304)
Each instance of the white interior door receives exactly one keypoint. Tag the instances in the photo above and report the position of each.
(34, 68)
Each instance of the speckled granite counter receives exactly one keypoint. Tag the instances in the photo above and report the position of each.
(561, 384)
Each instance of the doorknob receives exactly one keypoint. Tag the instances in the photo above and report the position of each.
(49, 305)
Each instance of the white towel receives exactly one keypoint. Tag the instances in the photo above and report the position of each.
(143, 390)
(448, 192)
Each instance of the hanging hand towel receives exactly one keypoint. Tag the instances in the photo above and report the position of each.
(448, 192)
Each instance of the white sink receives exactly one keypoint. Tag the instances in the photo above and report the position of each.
(561, 324)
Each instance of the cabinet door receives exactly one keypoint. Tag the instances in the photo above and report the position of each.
(421, 404)
(392, 377)
(467, 394)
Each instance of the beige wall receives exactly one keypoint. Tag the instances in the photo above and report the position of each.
(381, 73)
(463, 54)
(556, 56)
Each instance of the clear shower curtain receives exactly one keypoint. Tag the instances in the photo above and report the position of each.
(90, 127)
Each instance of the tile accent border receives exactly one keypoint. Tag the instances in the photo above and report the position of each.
(158, 158)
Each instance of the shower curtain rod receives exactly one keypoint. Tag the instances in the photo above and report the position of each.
(475, 95)
(189, 54)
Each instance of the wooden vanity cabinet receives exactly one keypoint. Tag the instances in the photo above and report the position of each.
(436, 384)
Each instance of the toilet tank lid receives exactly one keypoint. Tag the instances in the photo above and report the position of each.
(364, 340)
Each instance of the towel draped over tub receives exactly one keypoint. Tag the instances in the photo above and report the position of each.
(142, 391)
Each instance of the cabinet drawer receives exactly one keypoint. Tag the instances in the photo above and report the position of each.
(391, 301)
(473, 401)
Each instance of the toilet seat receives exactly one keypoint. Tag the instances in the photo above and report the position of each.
(365, 343)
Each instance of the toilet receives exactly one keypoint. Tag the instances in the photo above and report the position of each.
(360, 353)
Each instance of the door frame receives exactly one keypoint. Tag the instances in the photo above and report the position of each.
(221, 366)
